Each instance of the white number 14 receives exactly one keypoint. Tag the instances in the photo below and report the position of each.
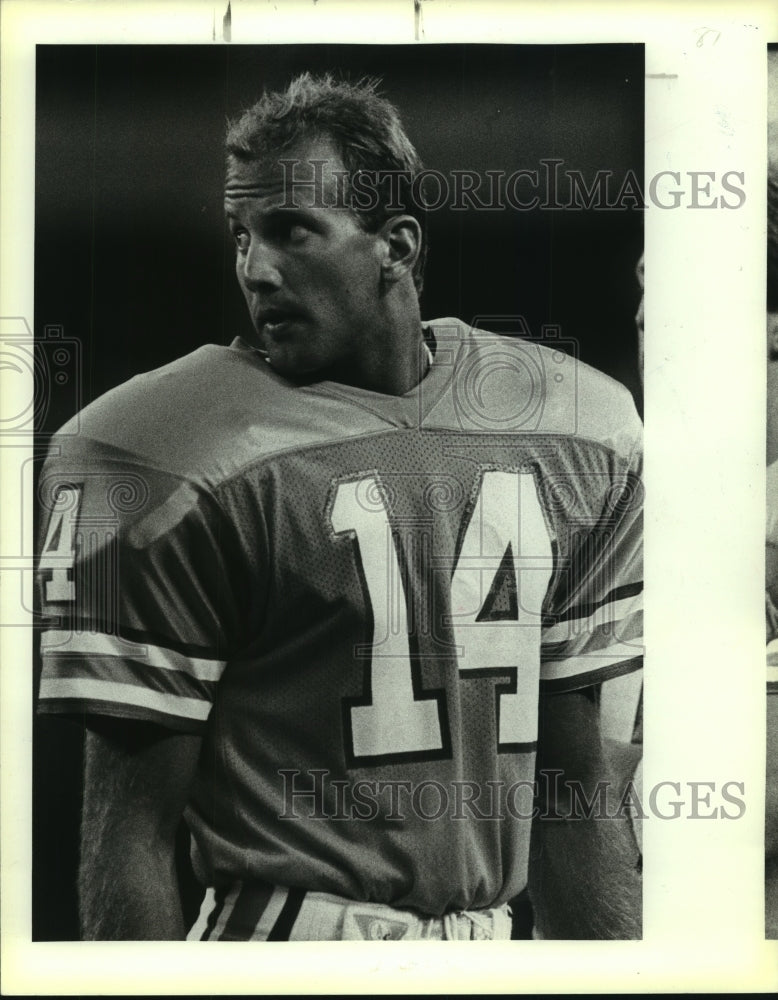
(497, 590)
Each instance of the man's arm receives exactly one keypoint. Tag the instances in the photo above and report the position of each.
(771, 820)
(585, 879)
(137, 779)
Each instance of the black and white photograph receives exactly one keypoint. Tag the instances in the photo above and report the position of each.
(328, 573)
(346, 352)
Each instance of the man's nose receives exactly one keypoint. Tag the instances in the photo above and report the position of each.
(261, 266)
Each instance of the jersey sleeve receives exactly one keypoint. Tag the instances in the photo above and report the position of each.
(139, 589)
(594, 629)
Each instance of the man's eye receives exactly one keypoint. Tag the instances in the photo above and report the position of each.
(290, 230)
(241, 238)
(297, 233)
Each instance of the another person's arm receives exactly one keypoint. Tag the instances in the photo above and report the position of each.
(137, 778)
(585, 879)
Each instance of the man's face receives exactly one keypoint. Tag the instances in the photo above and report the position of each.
(309, 273)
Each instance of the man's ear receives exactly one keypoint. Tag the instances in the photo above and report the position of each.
(772, 336)
(402, 235)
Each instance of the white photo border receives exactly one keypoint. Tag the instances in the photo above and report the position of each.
(704, 405)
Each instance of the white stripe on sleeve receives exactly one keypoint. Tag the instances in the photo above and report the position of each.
(83, 688)
(57, 641)
(586, 663)
(604, 615)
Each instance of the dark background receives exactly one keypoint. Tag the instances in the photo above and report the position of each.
(132, 260)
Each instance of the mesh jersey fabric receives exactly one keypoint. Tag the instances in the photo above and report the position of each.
(355, 598)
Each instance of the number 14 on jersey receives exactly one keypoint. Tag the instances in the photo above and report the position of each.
(506, 550)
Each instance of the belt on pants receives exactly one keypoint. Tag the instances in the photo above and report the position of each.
(255, 911)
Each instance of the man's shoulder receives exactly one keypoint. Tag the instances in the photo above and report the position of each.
(186, 378)
(201, 417)
(543, 388)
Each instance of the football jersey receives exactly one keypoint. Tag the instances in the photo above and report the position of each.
(356, 599)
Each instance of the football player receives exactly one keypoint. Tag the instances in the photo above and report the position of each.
(341, 595)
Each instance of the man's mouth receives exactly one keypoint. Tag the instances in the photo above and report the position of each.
(276, 321)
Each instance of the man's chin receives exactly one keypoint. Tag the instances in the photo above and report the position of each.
(294, 367)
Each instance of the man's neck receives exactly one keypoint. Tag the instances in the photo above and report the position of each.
(398, 368)
(392, 361)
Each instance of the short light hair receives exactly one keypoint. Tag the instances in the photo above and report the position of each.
(364, 128)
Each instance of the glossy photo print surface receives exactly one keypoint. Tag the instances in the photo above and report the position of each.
(363, 357)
